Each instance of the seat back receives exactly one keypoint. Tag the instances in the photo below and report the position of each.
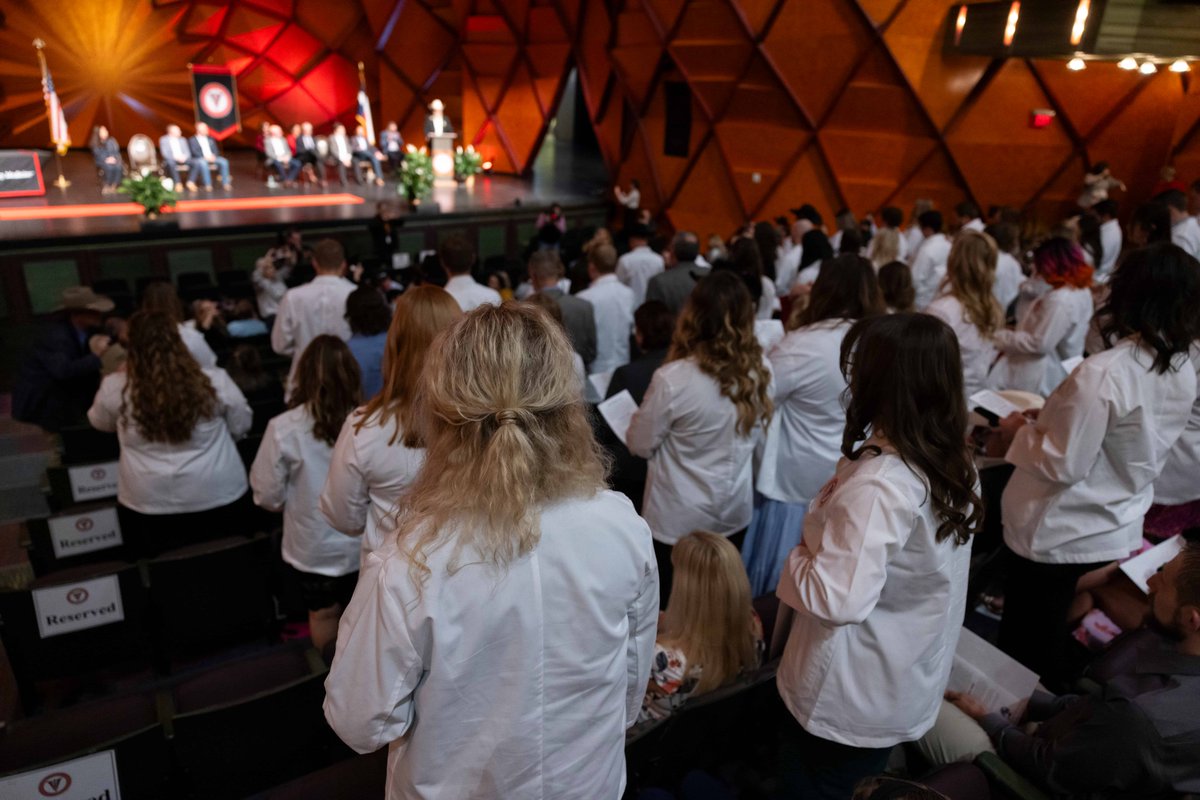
(143, 154)
(84, 535)
(83, 444)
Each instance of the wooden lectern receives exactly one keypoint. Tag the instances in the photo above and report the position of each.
(441, 150)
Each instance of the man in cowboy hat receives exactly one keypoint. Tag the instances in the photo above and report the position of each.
(58, 381)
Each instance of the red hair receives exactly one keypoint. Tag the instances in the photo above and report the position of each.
(1060, 263)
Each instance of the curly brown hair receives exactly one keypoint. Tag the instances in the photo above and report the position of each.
(328, 384)
(166, 392)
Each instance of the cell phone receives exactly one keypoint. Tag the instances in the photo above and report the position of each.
(993, 419)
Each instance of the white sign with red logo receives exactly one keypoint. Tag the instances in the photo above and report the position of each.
(216, 100)
(77, 606)
(75, 534)
(93, 481)
(92, 777)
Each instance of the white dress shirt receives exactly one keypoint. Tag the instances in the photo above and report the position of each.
(268, 292)
(1186, 234)
(288, 473)
(914, 237)
(503, 683)
(975, 225)
(804, 439)
(928, 269)
(768, 301)
(787, 266)
(202, 473)
(1111, 240)
(612, 302)
(1008, 280)
(1085, 469)
(196, 344)
(636, 268)
(471, 294)
(1053, 329)
(1179, 481)
(700, 474)
(879, 604)
(368, 474)
(978, 352)
(308, 311)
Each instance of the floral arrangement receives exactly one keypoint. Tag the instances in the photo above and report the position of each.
(416, 174)
(467, 163)
(150, 192)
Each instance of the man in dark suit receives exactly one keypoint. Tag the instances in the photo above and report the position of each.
(306, 153)
(673, 286)
(361, 149)
(176, 154)
(437, 122)
(57, 383)
(206, 153)
(392, 145)
(579, 318)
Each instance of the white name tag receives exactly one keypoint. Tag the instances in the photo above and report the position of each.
(93, 482)
(92, 777)
(78, 606)
(85, 533)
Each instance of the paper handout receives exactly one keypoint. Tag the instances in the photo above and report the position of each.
(1142, 566)
(989, 675)
(618, 413)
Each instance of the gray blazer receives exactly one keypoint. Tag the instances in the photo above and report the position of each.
(580, 320)
(673, 286)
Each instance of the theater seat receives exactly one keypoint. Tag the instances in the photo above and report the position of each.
(83, 444)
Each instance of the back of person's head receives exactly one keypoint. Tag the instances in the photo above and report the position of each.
(328, 256)
(1173, 199)
(367, 311)
(639, 232)
(809, 212)
(885, 246)
(685, 247)
(1151, 223)
(716, 328)
(846, 288)
(328, 385)
(1060, 262)
(851, 242)
(1005, 235)
(655, 323)
(885, 787)
(161, 296)
(971, 274)
(966, 210)
(604, 258)
(1154, 294)
(166, 392)
(243, 309)
(548, 305)
(1089, 235)
(845, 220)
(1106, 208)
(421, 313)
(892, 217)
(766, 236)
(896, 286)
(506, 433)
(931, 220)
(906, 385)
(545, 268)
(709, 616)
(816, 248)
(457, 255)
(746, 259)
(245, 368)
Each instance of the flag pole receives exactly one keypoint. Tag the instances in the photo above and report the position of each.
(61, 182)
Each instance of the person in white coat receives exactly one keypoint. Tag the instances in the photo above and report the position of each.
(968, 305)
(289, 472)
(929, 263)
(161, 296)
(179, 477)
(1053, 328)
(380, 450)
(804, 439)
(613, 304)
(1085, 469)
(640, 264)
(314, 308)
(876, 589)
(1009, 274)
(701, 419)
(500, 644)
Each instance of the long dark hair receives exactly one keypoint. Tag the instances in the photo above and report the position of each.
(846, 288)
(328, 384)
(766, 237)
(816, 248)
(1155, 295)
(905, 382)
(166, 392)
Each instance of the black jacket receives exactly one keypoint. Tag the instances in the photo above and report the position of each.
(57, 383)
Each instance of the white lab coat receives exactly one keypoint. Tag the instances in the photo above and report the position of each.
(928, 269)
(977, 351)
(196, 344)
(1186, 234)
(1084, 470)
(768, 301)
(471, 294)
(612, 303)
(1111, 240)
(1008, 280)
(503, 683)
(1179, 481)
(1053, 329)
(636, 268)
(878, 602)
(308, 311)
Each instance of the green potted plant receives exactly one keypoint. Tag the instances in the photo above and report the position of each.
(416, 175)
(150, 192)
(467, 164)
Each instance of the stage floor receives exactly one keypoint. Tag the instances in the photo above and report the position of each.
(560, 174)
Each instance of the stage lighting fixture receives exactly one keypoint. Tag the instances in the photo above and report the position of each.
(1179, 65)
(1147, 68)
(959, 24)
(1127, 63)
(1081, 17)
(1010, 27)
(1076, 64)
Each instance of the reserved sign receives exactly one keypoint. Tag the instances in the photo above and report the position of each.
(78, 606)
(93, 481)
(92, 777)
(76, 534)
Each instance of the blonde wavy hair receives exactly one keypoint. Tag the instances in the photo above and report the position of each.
(716, 328)
(709, 616)
(970, 274)
(885, 247)
(505, 434)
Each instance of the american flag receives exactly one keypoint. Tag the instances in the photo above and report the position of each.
(60, 135)
(363, 113)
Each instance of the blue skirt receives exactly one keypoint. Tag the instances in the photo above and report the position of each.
(774, 530)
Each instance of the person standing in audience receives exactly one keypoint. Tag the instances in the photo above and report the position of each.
(180, 477)
(514, 572)
(161, 296)
(1085, 468)
(709, 634)
(1008, 270)
(895, 284)
(915, 234)
(1096, 185)
(1110, 237)
(1151, 223)
(270, 285)
(877, 586)
(672, 286)
(816, 251)
(106, 154)
(369, 316)
(884, 247)
(701, 419)
(893, 220)
(579, 318)
(380, 449)
(929, 264)
(554, 311)
(458, 258)
(612, 302)
(314, 308)
(966, 217)
(640, 264)
(289, 472)
(1054, 327)
(805, 434)
(969, 306)
(1185, 231)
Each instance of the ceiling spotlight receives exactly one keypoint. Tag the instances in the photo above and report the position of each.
(1076, 64)
(1147, 68)
(1179, 65)
(1081, 17)
(1128, 62)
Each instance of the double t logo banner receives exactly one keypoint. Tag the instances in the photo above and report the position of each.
(214, 92)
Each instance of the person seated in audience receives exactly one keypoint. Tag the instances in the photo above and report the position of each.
(57, 381)
(392, 145)
(161, 296)
(895, 283)
(280, 158)
(612, 304)
(709, 634)
(578, 315)
(362, 151)
(1085, 468)
(499, 282)
(1141, 736)
(180, 478)
(270, 285)
(305, 150)
(369, 316)
(877, 587)
(176, 154)
(929, 262)
(969, 306)
(701, 419)
(805, 435)
(316, 307)
(206, 153)
(458, 259)
(106, 153)
(244, 322)
(289, 472)
(380, 449)
(512, 560)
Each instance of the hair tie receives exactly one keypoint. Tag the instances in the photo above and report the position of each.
(506, 417)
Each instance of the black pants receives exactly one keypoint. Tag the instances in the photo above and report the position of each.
(812, 768)
(662, 553)
(1033, 629)
(148, 535)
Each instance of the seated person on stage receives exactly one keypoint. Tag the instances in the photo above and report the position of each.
(362, 150)
(341, 153)
(1141, 736)
(306, 152)
(392, 144)
(107, 155)
(436, 123)
(279, 156)
(708, 634)
(207, 153)
(175, 154)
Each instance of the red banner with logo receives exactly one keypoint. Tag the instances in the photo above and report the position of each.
(214, 94)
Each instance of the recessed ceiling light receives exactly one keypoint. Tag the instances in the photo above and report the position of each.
(1128, 62)
(1179, 65)
(1147, 68)
(1076, 64)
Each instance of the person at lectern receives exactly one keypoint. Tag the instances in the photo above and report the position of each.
(436, 123)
